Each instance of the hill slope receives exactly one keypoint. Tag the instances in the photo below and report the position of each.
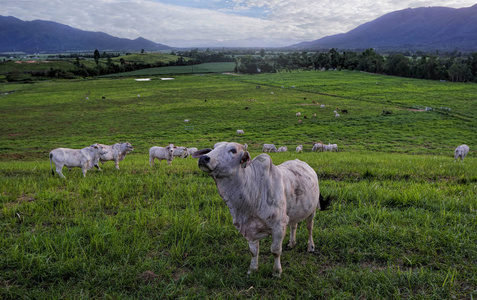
(45, 36)
(426, 28)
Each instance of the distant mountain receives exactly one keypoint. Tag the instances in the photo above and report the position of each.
(425, 28)
(45, 36)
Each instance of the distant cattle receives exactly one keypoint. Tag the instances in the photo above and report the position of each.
(180, 152)
(240, 132)
(191, 150)
(283, 149)
(461, 152)
(82, 158)
(269, 148)
(299, 148)
(317, 147)
(116, 153)
(161, 153)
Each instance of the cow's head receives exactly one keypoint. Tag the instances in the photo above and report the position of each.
(170, 149)
(99, 148)
(224, 160)
(127, 147)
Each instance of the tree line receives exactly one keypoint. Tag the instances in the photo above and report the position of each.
(449, 66)
(454, 67)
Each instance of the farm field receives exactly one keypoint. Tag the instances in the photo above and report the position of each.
(402, 223)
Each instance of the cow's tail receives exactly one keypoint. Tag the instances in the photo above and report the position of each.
(325, 201)
(51, 166)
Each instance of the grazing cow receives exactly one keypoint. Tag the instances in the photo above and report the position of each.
(180, 152)
(83, 158)
(263, 198)
(161, 153)
(186, 121)
(317, 147)
(344, 111)
(190, 151)
(245, 146)
(300, 121)
(298, 114)
(322, 106)
(337, 115)
(240, 132)
(116, 152)
(314, 115)
(330, 147)
(299, 148)
(460, 152)
(283, 149)
(267, 148)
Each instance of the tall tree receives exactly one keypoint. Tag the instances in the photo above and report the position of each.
(96, 56)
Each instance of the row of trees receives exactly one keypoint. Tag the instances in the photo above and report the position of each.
(453, 68)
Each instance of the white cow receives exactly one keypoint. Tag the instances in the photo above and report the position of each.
(317, 147)
(283, 149)
(299, 148)
(262, 198)
(116, 152)
(218, 144)
(240, 132)
(330, 147)
(191, 150)
(245, 146)
(460, 152)
(83, 158)
(180, 152)
(298, 114)
(268, 148)
(161, 153)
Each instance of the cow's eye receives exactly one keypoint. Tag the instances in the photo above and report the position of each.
(233, 151)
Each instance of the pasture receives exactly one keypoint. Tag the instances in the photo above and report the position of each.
(402, 224)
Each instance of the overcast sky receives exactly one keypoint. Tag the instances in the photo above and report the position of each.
(186, 22)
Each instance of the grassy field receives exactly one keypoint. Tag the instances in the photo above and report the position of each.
(402, 224)
(220, 67)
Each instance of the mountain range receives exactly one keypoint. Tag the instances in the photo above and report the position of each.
(425, 28)
(51, 37)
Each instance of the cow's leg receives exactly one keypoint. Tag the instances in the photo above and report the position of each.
(309, 225)
(292, 241)
(85, 168)
(254, 249)
(58, 170)
(97, 167)
(151, 160)
(116, 162)
(276, 248)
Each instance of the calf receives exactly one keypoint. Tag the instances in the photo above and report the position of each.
(263, 198)
(116, 153)
(161, 153)
(83, 158)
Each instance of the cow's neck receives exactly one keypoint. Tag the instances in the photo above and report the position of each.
(238, 189)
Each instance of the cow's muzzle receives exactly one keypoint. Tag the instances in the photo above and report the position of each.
(204, 160)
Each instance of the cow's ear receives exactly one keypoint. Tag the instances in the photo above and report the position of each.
(245, 161)
(201, 152)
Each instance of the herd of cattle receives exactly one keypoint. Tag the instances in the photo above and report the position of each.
(89, 157)
(263, 199)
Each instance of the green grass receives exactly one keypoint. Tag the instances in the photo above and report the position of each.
(402, 224)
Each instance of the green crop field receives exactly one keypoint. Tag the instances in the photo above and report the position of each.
(402, 223)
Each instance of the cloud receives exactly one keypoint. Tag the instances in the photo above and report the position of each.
(165, 21)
